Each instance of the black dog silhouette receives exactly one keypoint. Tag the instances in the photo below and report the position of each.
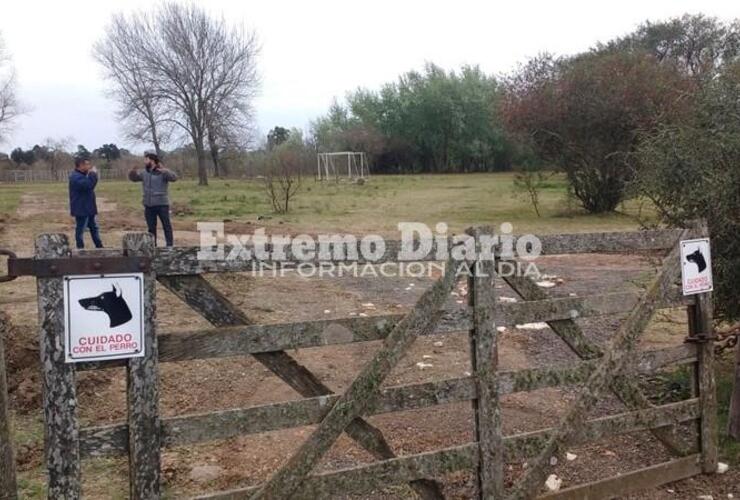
(112, 304)
(698, 259)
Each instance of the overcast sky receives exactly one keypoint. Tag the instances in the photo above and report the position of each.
(312, 51)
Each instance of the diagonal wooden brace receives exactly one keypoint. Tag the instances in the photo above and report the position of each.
(364, 391)
(615, 358)
(202, 297)
(625, 389)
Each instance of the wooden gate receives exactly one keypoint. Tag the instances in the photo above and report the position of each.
(600, 370)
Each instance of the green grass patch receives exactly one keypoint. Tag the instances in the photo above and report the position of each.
(10, 197)
(384, 201)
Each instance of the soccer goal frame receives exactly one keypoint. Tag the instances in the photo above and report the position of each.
(329, 167)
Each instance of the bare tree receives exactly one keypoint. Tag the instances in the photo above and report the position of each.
(10, 107)
(121, 54)
(283, 177)
(230, 128)
(57, 152)
(203, 68)
(180, 66)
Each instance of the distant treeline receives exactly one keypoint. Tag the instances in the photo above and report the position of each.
(429, 121)
(461, 121)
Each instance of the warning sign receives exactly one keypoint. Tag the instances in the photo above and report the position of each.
(696, 266)
(103, 317)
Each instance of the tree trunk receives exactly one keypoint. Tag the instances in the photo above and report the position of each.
(733, 428)
(155, 135)
(214, 157)
(202, 172)
(155, 141)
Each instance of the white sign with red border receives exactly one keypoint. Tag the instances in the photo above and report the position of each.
(103, 317)
(696, 266)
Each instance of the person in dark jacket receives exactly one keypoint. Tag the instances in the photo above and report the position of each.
(155, 180)
(82, 206)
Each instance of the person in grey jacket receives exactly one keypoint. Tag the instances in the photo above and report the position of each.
(155, 179)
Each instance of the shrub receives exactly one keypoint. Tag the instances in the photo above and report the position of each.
(691, 169)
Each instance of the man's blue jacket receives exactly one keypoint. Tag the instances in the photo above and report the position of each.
(82, 193)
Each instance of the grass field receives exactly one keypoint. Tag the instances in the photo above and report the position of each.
(377, 206)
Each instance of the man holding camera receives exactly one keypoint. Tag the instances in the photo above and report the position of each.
(155, 180)
(82, 204)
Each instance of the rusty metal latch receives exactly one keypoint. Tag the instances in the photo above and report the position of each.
(51, 268)
(700, 338)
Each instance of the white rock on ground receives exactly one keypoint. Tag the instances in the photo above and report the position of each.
(421, 365)
(570, 456)
(722, 468)
(507, 299)
(501, 329)
(439, 343)
(705, 497)
(545, 284)
(553, 482)
(532, 326)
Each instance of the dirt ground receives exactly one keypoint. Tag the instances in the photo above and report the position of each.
(209, 385)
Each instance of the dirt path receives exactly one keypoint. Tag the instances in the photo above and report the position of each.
(209, 385)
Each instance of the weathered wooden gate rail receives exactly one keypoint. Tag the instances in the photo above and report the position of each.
(178, 269)
(251, 339)
(111, 440)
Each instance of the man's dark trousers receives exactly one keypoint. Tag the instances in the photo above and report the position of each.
(163, 212)
(87, 222)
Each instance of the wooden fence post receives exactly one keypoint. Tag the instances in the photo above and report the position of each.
(701, 330)
(484, 365)
(8, 486)
(60, 399)
(143, 388)
(700, 326)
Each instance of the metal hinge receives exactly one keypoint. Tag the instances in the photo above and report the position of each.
(51, 268)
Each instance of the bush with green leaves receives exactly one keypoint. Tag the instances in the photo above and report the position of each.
(583, 114)
(690, 169)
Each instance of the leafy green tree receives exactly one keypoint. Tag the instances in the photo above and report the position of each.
(689, 170)
(276, 137)
(19, 156)
(429, 121)
(699, 45)
(108, 152)
(82, 151)
(585, 114)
